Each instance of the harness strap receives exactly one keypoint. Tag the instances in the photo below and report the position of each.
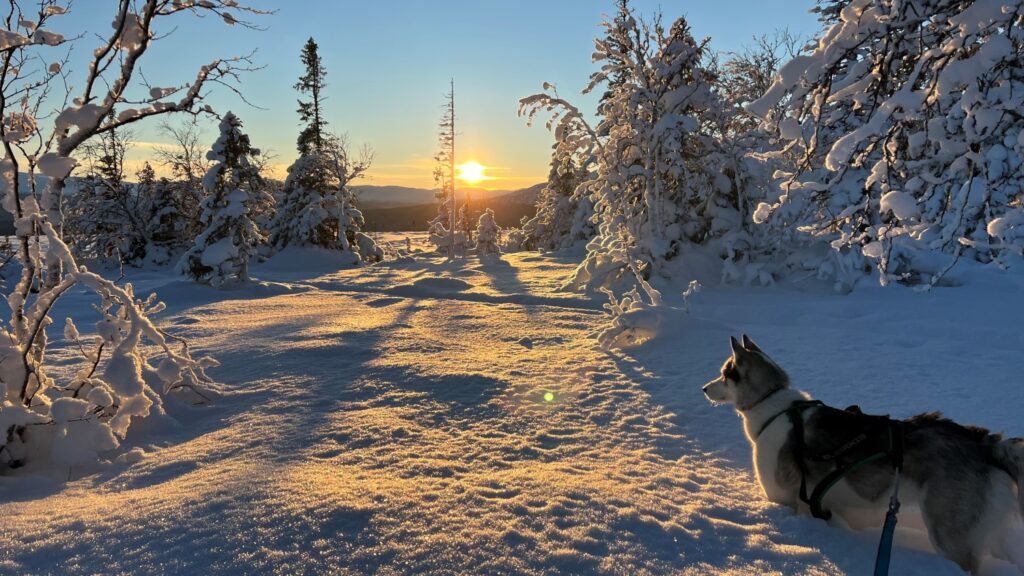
(894, 453)
(798, 406)
(833, 478)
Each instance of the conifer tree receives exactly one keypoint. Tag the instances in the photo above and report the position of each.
(317, 205)
(445, 231)
(222, 251)
(101, 218)
(310, 111)
(167, 221)
(487, 234)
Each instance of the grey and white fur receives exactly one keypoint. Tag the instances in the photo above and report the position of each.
(967, 483)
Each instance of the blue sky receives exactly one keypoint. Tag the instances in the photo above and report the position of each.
(389, 62)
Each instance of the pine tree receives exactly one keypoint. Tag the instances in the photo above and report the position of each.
(563, 217)
(317, 204)
(658, 181)
(310, 112)
(222, 251)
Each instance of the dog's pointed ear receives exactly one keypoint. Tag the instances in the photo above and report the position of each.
(737, 350)
(749, 345)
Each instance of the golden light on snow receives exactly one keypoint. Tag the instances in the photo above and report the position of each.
(472, 172)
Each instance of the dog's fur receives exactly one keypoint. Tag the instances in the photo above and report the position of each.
(968, 483)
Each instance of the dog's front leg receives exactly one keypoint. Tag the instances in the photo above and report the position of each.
(784, 485)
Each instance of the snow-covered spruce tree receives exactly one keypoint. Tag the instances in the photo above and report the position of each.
(563, 218)
(907, 120)
(129, 363)
(658, 182)
(167, 221)
(222, 251)
(487, 234)
(317, 205)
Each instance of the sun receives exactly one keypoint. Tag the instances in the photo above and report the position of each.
(472, 172)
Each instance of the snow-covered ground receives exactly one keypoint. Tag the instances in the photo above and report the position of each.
(424, 416)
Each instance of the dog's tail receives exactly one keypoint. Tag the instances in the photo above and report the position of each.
(1010, 454)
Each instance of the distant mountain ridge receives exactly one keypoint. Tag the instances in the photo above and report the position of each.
(395, 196)
(397, 208)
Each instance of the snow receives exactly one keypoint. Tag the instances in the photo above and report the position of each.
(10, 39)
(434, 416)
(903, 205)
(56, 166)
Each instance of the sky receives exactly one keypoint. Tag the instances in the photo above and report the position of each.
(389, 63)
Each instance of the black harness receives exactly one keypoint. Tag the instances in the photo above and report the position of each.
(795, 414)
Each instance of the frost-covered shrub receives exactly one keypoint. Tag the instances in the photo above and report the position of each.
(126, 367)
(487, 234)
(445, 237)
(516, 239)
(906, 118)
(221, 252)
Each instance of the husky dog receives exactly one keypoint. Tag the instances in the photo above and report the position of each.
(967, 482)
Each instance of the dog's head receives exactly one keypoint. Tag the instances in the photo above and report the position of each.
(748, 376)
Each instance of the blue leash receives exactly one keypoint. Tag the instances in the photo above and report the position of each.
(888, 531)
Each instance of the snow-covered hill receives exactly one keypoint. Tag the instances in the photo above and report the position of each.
(434, 417)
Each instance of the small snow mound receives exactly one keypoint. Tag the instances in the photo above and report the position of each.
(133, 456)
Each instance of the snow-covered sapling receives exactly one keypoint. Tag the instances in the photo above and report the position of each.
(487, 234)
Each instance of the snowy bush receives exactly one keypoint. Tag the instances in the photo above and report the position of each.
(487, 234)
(515, 239)
(71, 421)
(222, 251)
(906, 119)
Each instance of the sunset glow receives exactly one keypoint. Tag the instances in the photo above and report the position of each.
(472, 172)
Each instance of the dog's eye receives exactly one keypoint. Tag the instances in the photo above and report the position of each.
(731, 373)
